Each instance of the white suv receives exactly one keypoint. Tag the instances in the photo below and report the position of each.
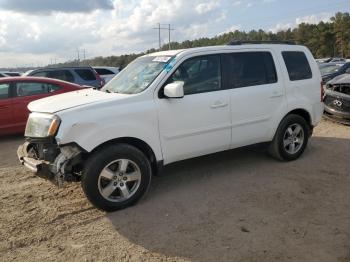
(174, 105)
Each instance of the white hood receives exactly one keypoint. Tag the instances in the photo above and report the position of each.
(68, 100)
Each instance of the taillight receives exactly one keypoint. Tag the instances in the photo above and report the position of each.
(100, 79)
(322, 92)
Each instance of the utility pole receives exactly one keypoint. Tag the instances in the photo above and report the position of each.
(164, 28)
(84, 53)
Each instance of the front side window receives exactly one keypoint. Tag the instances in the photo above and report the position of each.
(199, 74)
(138, 75)
(31, 88)
(4, 91)
(297, 65)
(251, 69)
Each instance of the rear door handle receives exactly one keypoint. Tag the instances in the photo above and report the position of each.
(218, 104)
(3, 107)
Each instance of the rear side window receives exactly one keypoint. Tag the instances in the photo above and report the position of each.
(64, 75)
(4, 91)
(31, 88)
(86, 74)
(52, 88)
(251, 69)
(103, 71)
(297, 65)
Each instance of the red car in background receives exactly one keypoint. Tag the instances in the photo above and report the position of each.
(17, 92)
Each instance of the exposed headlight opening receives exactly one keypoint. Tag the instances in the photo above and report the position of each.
(42, 125)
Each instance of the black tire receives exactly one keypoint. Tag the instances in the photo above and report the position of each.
(276, 147)
(102, 158)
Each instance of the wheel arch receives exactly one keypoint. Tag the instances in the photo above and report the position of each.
(303, 113)
(139, 144)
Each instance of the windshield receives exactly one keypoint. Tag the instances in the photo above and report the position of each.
(137, 76)
(329, 69)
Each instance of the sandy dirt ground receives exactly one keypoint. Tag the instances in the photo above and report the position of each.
(239, 205)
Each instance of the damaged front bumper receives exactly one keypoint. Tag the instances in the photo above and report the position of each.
(56, 164)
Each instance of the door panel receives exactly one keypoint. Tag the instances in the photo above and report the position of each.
(6, 110)
(256, 94)
(200, 122)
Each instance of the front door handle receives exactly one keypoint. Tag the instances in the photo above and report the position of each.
(218, 104)
(3, 107)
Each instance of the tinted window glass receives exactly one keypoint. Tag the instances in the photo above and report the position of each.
(64, 75)
(4, 91)
(200, 74)
(86, 74)
(52, 88)
(297, 65)
(12, 74)
(40, 74)
(31, 88)
(250, 69)
(103, 71)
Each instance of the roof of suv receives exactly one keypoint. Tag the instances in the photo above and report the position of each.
(278, 46)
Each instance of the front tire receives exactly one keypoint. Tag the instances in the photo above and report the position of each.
(291, 138)
(116, 177)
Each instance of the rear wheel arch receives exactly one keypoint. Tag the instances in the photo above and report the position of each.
(303, 113)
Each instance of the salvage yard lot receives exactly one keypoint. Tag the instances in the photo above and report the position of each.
(239, 205)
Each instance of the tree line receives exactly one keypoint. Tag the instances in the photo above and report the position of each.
(325, 39)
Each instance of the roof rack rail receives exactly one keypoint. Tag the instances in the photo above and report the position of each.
(237, 42)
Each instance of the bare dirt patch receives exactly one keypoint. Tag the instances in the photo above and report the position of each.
(239, 205)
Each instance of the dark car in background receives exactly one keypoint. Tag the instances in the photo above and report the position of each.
(85, 76)
(337, 99)
(331, 70)
(17, 92)
(8, 73)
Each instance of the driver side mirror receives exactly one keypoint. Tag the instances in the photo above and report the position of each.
(174, 90)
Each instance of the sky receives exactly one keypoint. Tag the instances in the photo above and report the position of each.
(38, 32)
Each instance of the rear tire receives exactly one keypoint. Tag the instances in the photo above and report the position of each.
(290, 139)
(116, 177)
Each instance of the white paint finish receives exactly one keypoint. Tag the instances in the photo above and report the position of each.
(134, 116)
(68, 100)
(194, 125)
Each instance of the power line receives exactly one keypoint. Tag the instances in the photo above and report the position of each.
(159, 28)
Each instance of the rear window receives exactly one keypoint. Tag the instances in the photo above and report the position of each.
(103, 71)
(86, 74)
(297, 65)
